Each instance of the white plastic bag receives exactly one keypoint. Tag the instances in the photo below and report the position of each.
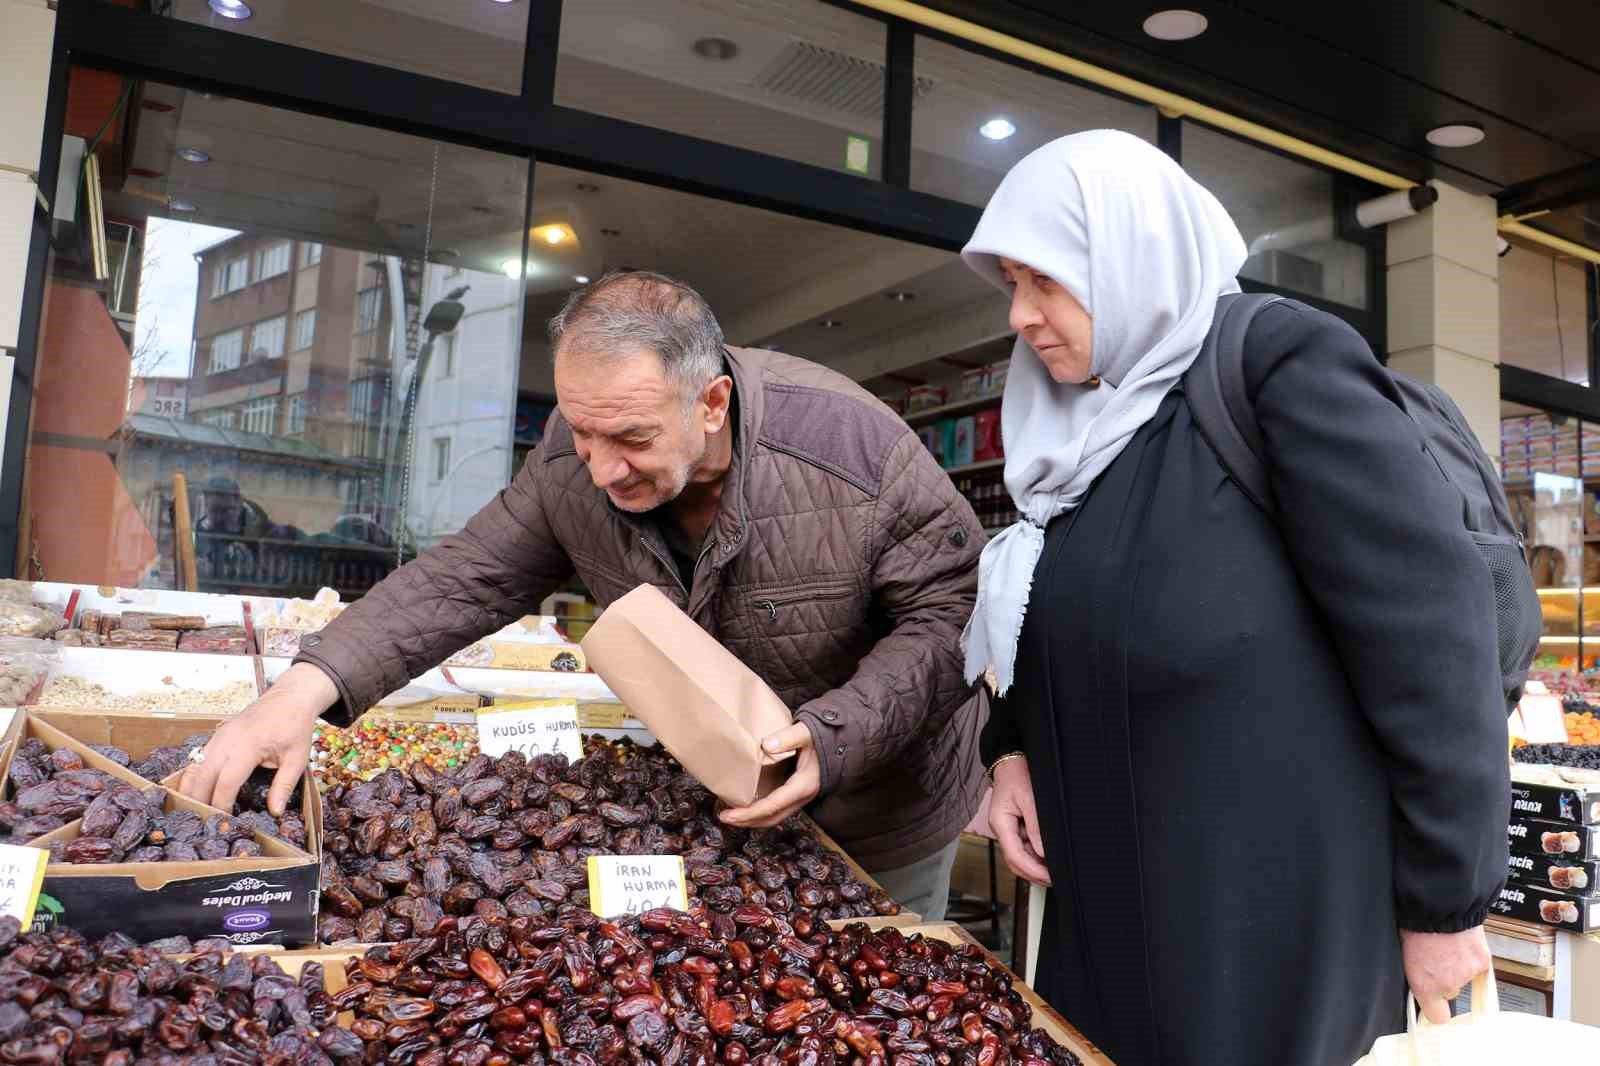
(1485, 1036)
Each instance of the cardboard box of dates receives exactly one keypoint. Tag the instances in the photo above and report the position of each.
(256, 889)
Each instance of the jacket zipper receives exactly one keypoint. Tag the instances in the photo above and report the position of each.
(668, 563)
(834, 592)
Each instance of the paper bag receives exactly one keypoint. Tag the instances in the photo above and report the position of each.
(705, 706)
(1487, 1036)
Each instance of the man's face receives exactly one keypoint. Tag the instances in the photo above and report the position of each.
(631, 426)
(226, 510)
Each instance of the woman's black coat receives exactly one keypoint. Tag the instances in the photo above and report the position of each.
(1259, 748)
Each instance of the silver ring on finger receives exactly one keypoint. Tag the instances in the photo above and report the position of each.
(197, 756)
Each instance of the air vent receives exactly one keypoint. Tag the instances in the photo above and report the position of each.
(821, 77)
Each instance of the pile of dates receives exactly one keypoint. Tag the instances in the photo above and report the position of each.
(509, 837)
(125, 825)
(251, 808)
(697, 989)
(48, 790)
(66, 1000)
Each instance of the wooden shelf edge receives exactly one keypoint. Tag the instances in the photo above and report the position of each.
(916, 419)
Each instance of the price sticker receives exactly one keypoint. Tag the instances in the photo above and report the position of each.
(633, 884)
(533, 727)
(21, 877)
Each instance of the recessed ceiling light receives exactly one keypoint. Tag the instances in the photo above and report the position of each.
(998, 129)
(193, 155)
(231, 9)
(180, 205)
(1176, 24)
(718, 48)
(607, 232)
(504, 1)
(555, 233)
(512, 268)
(446, 253)
(581, 279)
(900, 296)
(1456, 135)
(587, 186)
(830, 323)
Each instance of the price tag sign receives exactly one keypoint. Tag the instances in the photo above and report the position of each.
(1543, 721)
(533, 727)
(21, 877)
(633, 884)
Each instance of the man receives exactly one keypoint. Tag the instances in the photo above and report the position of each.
(789, 513)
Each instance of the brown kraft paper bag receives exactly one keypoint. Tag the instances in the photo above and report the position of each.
(705, 706)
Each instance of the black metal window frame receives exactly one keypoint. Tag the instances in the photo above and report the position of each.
(528, 125)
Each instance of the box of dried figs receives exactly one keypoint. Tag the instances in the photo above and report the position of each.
(1565, 910)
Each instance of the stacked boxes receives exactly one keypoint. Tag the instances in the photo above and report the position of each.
(1554, 870)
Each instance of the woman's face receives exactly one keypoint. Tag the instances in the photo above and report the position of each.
(1049, 319)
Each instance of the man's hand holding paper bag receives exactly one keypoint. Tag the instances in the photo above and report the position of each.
(707, 708)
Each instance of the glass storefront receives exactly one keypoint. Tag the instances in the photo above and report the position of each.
(1544, 313)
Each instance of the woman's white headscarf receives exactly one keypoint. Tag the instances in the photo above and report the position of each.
(1146, 251)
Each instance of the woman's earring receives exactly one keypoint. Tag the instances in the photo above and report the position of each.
(1093, 382)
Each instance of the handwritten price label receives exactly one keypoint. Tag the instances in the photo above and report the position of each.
(533, 727)
(21, 877)
(633, 884)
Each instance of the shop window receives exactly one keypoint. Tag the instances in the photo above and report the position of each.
(444, 353)
(272, 260)
(974, 117)
(479, 43)
(305, 329)
(289, 398)
(231, 276)
(260, 416)
(266, 338)
(1284, 208)
(441, 458)
(1544, 313)
(369, 308)
(226, 351)
(800, 79)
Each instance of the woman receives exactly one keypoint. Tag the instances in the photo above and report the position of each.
(1267, 757)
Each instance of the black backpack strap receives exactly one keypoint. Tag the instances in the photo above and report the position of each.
(1215, 389)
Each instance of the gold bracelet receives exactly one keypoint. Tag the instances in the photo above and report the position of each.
(989, 773)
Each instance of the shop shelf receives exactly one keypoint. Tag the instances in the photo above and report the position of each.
(951, 410)
(976, 468)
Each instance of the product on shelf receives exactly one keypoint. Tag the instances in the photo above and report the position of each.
(510, 836)
(151, 631)
(69, 1000)
(75, 692)
(1584, 756)
(925, 397)
(374, 744)
(975, 383)
(672, 987)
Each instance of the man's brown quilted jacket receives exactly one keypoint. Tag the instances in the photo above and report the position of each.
(841, 569)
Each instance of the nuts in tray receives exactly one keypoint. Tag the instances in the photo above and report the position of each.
(66, 1000)
(510, 837)
(374, 744)
(75, 692)
(741, 988)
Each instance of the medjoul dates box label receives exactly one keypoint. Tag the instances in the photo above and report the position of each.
(272, 905)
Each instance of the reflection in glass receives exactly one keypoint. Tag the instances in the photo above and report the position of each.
(975, 117)
(792, 78)
(1544, 313)
(474, 42)
(1285, 210)
(278, 359)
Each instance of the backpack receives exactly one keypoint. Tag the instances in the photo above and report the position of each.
(1215, 389)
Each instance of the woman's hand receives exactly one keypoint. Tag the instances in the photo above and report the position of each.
(1439, 965)
(1014, 820)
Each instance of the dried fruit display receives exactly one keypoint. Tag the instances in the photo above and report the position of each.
(66, 1000)
(126, 825)
(1583, 756)
(510, 837)
(740, 989)
(374, 744)
(48, 789)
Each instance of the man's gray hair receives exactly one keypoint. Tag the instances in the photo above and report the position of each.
(625, 311)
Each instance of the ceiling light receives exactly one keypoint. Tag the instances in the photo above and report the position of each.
(512, 268)
(1456, 135)
(900, 296)
(830, 323)
(587, 186)
(997, 129)
(446, 253)
(504, 1)
(193, 155)
(555, 233)
(608, 232)
(717, 48)
(184, 206)
(1176, 24)
(581, 279)
(231, 9)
